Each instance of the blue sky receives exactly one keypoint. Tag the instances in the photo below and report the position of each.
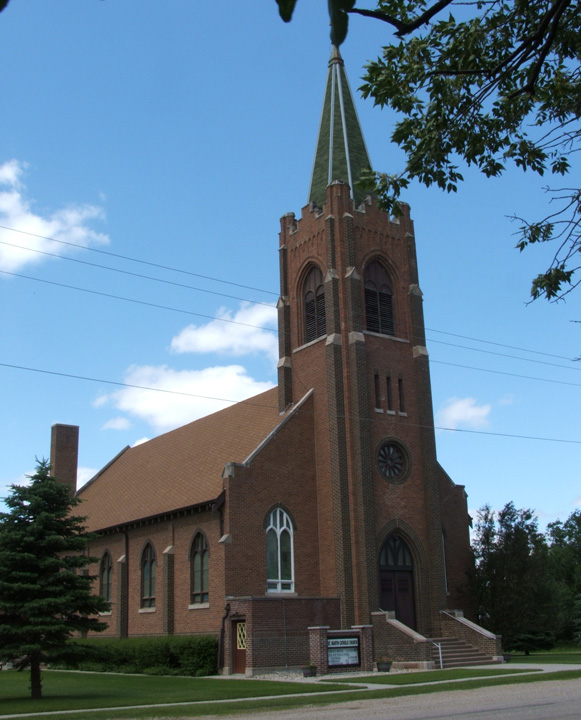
(177, 134)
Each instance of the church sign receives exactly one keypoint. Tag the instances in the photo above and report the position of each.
(343, 651)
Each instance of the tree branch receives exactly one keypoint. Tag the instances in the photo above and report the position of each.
(401, 27)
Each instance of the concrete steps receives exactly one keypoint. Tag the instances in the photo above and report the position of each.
(457, 653)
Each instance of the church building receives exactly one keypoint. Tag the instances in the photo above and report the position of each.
(320, 503)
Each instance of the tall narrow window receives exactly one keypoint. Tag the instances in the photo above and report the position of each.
(279, 552)
(199, 569)
(389, 393)
(377, 391)
(378, 300)
(401, 396)
(314, 304)
(148, 570)
(106, 576)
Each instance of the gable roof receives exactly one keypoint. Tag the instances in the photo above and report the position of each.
(341, 153)
(179, 469)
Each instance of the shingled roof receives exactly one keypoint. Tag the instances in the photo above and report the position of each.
(181, 468)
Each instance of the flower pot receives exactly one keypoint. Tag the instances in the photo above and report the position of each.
(383, 665)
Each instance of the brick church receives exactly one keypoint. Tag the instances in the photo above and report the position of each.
(320, 503)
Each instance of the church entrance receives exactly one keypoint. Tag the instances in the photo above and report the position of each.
(239, 646)
(396, 580)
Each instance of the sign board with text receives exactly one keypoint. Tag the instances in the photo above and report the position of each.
(343, 651)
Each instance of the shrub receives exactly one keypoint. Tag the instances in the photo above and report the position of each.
(176, 655)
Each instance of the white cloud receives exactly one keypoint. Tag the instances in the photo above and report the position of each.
(462, 412)
(84, 474)
(68, 224)
(248, 337)
(118, 423)
(141, 441)
(168, 410)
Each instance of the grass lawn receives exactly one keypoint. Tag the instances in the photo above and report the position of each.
(566, 655)
(430, 676)
(102, 691)
(72, 690)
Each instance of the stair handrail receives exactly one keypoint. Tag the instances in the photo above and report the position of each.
(439, 646)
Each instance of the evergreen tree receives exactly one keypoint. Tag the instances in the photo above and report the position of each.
(513, 579)
(45, 595)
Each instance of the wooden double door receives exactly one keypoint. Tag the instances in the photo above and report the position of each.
(396, 580)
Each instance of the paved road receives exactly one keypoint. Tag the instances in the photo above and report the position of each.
(555, 700)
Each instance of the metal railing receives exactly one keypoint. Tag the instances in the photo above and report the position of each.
(439, 646)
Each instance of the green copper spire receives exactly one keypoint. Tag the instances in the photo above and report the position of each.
(341, 153)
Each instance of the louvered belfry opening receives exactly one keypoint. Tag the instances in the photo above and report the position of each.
(378, 300)
(314, 296)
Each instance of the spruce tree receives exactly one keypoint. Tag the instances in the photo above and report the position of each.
(45, 592)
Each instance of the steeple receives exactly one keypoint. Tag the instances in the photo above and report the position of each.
(341, 153)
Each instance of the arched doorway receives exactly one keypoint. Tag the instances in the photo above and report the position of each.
(396, 580)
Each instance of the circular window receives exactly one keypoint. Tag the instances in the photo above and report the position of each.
(393, 461)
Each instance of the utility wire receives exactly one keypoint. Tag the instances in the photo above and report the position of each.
(500, 372)
(133, 259)
(138, 302)
(251, 402)
(138, 275)
(246, 287)
(260, 327)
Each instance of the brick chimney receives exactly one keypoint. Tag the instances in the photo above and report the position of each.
(64, 453)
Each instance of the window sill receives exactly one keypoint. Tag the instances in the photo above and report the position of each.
(391, 412)
(198, 606)
(378, 410)
(387, 337)
(147, 610)
(281, 593)
(104, 614)
(403, 414)
(313, 342)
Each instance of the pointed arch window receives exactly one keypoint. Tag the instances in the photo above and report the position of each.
(148, 572)
(378, 300)
(279, 552)
(199, 561)
(106, 576)
(314, 305)
(395, 554)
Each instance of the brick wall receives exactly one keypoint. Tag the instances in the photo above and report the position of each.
(393, 640)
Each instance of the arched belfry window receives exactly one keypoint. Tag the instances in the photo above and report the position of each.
(378, 300)
(199, 558)
(314, 305)
(148, 572)
(279, 552)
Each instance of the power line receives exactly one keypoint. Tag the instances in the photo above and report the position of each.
(258, 327)
(138, 275)
(138, 302)
(246, 287)
(250, 402)
(133, 259)
(274, 330)
(500, 372)
(491, 342)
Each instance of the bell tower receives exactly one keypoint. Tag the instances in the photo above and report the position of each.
(351, 327)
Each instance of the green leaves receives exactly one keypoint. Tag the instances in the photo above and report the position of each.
(286, 9)
(338, 17)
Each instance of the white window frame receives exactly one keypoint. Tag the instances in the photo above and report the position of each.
(280, 522)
